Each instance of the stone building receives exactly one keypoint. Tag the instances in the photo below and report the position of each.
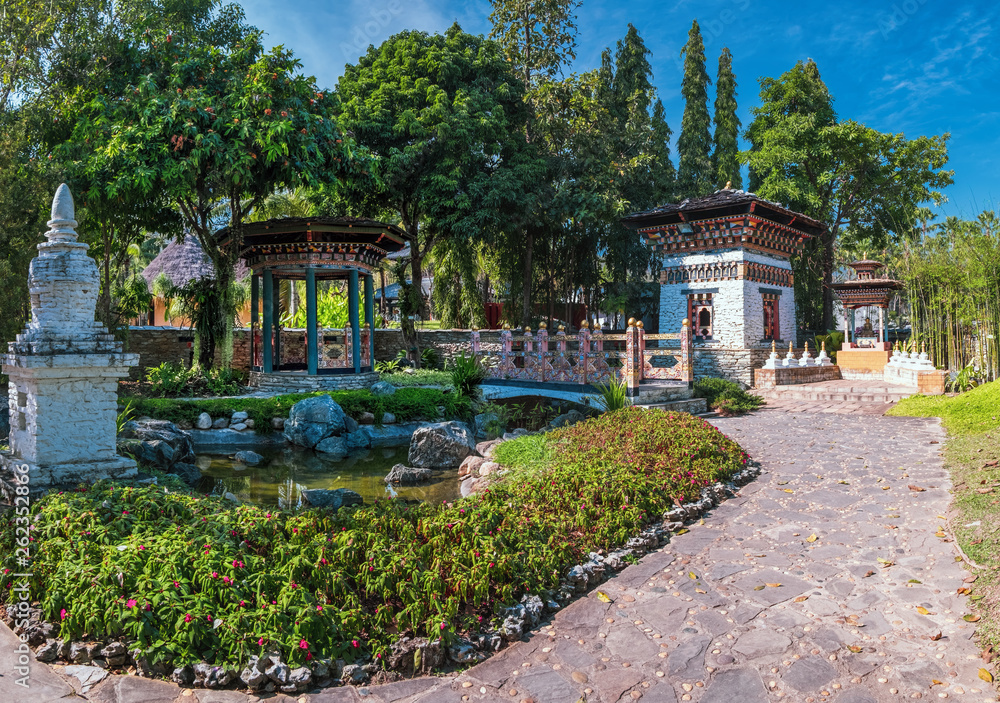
(724, 265)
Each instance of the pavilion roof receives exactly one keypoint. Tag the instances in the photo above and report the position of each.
(723, 203)
(344, 228)
(185, 261)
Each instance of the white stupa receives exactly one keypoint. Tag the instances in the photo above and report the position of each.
(65, 367)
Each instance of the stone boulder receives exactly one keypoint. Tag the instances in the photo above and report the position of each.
(334, 499)
(382, 388)
(162, 445)
(407, 474)
(333, 448)
(567, 419)
(250, 458)
(470, 466)
(366, 418)
(204, 422)
(188, 473)
(486, 425)
(443, 445)
(314, 419)
(486, 449)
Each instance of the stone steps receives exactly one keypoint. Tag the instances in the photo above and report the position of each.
(839, 394)
(695, 406)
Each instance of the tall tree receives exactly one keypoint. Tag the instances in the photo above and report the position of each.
(212, 120)
(538, 37)
(847, 175)
(694, 145)
(444, 118)
(725, 150)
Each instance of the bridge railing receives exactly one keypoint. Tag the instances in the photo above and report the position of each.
(588, 357)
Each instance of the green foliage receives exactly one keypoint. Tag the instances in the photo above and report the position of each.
(694, 164)
(333, 309)
(466, 375)
(848, 176)
(388, 367)
(726, 397)
(124, 416)
(192, 577)
(970, 413)
(418, 377)
(725, 150)
(834, 341)
(171, 380)
(406, 404)
(613, 394)
(965, 380)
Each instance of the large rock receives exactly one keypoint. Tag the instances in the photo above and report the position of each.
(159, 444)
(407, 474)
(389, 435)
(567, 419)
(357, 440)
(487, 425)
(314, 419)
(470, 466)
(382, 388)
(443, 445)
(333, 447)
(334, 499)
(188, 473)
(250, 458)
(204, 422)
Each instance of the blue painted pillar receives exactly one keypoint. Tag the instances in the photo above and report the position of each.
(268, 321)
(352, 307)
(853, 325)
(370, 317)
(276, 321)
(312, 342)
(254, 303)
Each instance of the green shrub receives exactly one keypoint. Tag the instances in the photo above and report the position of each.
(466, 375)
(420, 377)
(194, 577)
(172, 380)
(406, 404)
(388, 367)
(614, 394)
(726, 397)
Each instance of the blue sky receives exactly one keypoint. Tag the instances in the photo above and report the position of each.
(919, 67)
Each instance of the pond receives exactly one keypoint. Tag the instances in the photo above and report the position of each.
(285, 472)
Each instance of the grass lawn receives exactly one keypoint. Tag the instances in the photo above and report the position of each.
(972, 456)
(419, 377)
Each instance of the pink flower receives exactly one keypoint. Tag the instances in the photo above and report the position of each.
(124, 512)
(319, 608)
(188, 618)
(444, 625)
(243, 603)
(303, 644)
(309, 655)
(62, 614)
(215, 574)
(130, 603)
(295, 530)
(260, 641)
(149, 607)
(354, 643)
(176, 585)
(226, 580)
(141, 548)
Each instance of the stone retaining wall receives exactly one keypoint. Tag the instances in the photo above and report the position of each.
(156, 345)
(302, 383)
(733, 364)
(785, 376)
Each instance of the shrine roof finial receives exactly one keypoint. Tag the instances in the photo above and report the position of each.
(62, 226)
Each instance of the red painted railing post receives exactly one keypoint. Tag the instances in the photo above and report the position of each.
(583, 358)
(543, 350)
(641, 356)
(687, 360)
(633, 371)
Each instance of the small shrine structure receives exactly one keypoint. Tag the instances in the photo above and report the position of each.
(313, 249)
(64, 369)
(866, 350)
(724, 264)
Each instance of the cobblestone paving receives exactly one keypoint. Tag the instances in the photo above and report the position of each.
(748, 607)
(744, 608)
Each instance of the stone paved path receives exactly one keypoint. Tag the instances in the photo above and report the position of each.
(699, 621)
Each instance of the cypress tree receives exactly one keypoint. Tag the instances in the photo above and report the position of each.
(632, 83)
(663, 172)
(694, 166)
(725, 159)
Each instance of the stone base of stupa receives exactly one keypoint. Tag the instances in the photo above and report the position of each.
(71, 474)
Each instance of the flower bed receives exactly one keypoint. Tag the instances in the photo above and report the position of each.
(191, 578)
(406, 404)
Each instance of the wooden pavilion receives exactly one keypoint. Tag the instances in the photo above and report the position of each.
(313, 249)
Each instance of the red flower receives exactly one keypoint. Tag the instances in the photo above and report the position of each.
(188, 618)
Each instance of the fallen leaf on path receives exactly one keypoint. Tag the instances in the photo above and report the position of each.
(935, 637)
(870, 573)
(985, 675)
(774, 585)
(885, 488)
(789, 490)
(682, 531)
(698, 590)
(971, 578)
(964, 591)
(991, 463)
(987, 655)
(812, 538)
(758, 588)
(922, 610)
(855, 649)
(917, 489)
(603, 597)
(935, 682)
(846, 483)
(800, 599)
(971, 617)
(984, 491)
(885, 562)
(914, 581)
(691, 575)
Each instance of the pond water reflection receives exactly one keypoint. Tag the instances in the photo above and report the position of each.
(280, 478)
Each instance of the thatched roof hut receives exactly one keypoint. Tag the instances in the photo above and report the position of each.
(185, 261)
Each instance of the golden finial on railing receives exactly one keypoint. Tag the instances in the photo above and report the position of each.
(527, 330)
(584, 325)
(686, 323)
(639, 324)
(543, 325)
(631, 322)
(562, 328)
(506, 325)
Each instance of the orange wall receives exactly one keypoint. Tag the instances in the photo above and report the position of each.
(160, 319)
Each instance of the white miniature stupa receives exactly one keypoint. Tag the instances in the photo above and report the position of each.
(64, 368)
